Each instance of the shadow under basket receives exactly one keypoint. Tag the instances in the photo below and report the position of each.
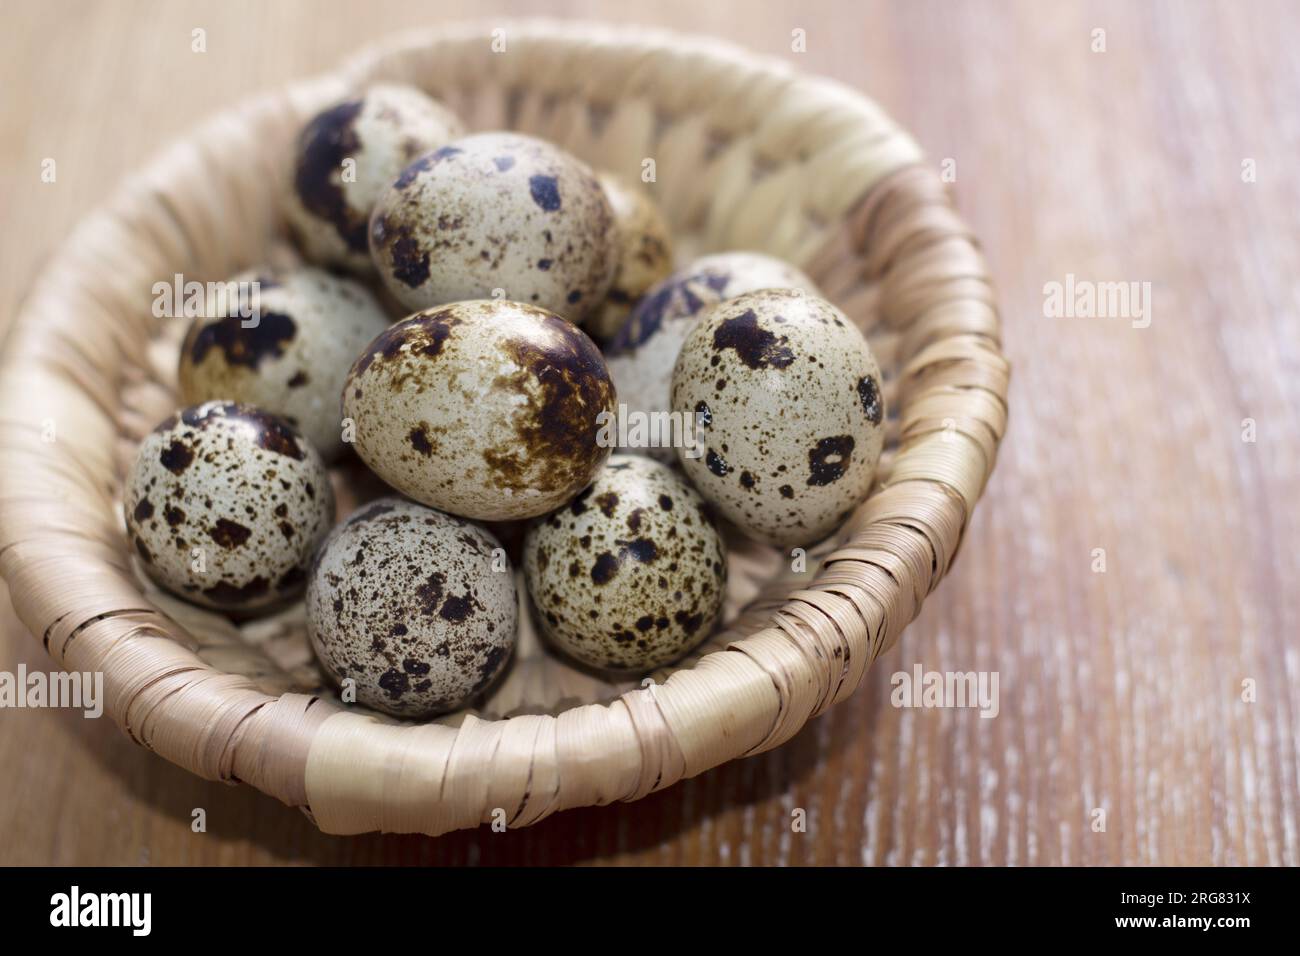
(747, 154)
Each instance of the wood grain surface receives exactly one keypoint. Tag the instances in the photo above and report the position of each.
(1166, 159)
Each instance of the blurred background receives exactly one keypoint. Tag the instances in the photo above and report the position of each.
(1112, 142)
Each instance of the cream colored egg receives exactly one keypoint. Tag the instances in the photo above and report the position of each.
(631, 574)
(496, 215)
(487, 409)
(346, 157)
(290, 356)
(417, 608)
(224, 505)
(642, 355)
(644, 250)
(789, 398)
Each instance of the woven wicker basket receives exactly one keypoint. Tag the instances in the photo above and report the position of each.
(749, 155)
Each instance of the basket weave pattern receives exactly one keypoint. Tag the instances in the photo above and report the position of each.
(748, 155)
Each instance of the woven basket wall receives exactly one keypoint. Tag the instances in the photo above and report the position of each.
(749, 154)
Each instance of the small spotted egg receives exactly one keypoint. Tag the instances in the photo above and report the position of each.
(644, 252)
(632, 573)
(224, 506)
(416, 607)
(489, 409)
(642, 354)
(788, 396)
(291, 356)
(346, 156)
(496, 211)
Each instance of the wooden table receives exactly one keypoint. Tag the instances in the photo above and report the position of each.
(1120, 690)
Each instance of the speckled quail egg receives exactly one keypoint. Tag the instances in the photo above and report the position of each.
(632, 573)
(224, 506)
(644, 252)
(416, 607)
(789, 398)
(291, 357)
(346, 157)
(642, 354)
(496, 211)
(487, 409)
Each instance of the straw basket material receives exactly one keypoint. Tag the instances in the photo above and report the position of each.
(748, 154)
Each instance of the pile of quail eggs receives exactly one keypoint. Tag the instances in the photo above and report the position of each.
(488, 403)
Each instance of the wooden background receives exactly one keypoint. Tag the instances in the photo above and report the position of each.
(1120, 690)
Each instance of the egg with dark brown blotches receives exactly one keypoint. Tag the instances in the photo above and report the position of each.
(643, 248)
(788, 397)
(291, 356)
(490, 409)
(642, 355)
(496, 215)
(224, 505)
(632, 573)
(414, 607)
(346, 157)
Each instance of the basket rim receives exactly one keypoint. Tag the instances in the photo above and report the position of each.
(298, 748)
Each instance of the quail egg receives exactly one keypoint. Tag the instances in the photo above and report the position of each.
(224, 506)
(414, 606)
(788, 395)
(346, 156)
(642, 354)
(644, 252)
(496, 211)
(290, 358)
(489, 409)
(632, 573)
